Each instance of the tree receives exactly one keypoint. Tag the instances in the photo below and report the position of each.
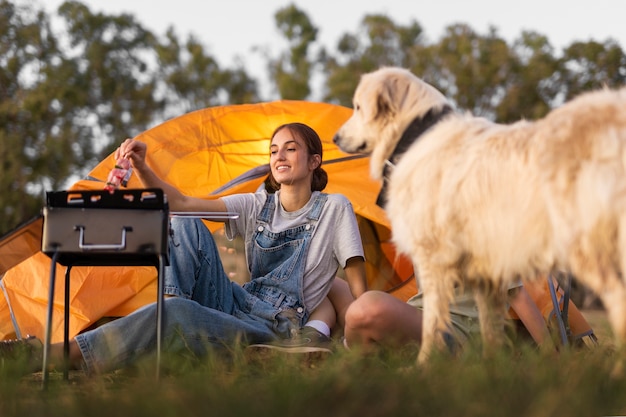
(533, 83)
(379, 42)
(592, 65)
(189, 79)
(114, 58)
(292, 71)
(38, 146)
(67, 100)
(473, 69)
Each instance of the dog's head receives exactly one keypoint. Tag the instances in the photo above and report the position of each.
(385, 102)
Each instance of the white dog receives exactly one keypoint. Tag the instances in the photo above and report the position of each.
(484, 205)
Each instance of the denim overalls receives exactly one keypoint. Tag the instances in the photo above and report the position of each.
(270, 305)
(277, 264)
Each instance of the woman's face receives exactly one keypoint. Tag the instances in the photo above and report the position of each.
(289, 159)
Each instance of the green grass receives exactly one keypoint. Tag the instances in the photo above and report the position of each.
(520, 383)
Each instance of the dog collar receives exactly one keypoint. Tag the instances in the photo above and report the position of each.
(414, 130)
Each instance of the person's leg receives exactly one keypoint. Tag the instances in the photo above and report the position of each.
(187, 327)
(56, 355)
(323, 318)
(195, 271)
(341, 298)
(379, 318)
(332, 310)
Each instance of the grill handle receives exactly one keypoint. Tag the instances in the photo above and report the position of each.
(82, 245)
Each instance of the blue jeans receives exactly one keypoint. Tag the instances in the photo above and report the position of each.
(209, 312)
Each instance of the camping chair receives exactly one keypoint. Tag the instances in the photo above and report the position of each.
(553, 299)
(572, 328)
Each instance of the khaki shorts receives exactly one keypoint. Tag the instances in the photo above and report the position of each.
(463, 313)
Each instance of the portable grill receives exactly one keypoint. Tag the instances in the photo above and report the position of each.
(100, 228)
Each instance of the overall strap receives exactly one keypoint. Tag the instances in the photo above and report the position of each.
(318, 205)
(265, 216)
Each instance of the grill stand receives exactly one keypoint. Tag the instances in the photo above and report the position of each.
(67, 216)
(66, 317)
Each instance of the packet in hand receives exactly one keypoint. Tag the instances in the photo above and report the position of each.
(119, 175)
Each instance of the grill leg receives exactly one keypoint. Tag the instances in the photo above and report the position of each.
(48, 336)
(66, 326)
(159, 323)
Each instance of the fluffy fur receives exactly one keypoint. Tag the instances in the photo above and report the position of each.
(485, 204)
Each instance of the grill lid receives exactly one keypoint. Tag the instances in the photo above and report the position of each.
(100, 228)
(133, 199)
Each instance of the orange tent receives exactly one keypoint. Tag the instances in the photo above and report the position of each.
(206, 153)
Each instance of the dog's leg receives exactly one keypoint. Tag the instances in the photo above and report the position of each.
(438, 289)
(614, 300)
(491, 303)
(608, 284)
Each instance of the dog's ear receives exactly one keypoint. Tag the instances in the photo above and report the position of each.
(382, 106)
(385, 100)
(393, 94)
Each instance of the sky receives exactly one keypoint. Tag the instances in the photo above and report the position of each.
(230, 28)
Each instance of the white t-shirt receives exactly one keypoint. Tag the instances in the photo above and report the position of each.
(335, 239)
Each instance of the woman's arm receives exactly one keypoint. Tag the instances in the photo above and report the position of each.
(135, 151)
(355, 275)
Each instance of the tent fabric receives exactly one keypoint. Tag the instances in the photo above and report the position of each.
(20, 243)
(205, 153)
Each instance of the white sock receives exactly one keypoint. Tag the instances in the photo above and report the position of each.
(320, 326)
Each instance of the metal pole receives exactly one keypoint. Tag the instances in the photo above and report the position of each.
(46, 347)
(66, 326)
(160, 298)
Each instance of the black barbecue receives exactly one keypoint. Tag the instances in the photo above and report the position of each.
(101, 228)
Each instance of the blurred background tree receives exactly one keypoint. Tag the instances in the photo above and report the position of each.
(291, 72)
(380, 42)
(68, 96)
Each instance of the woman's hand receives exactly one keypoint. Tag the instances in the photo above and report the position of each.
(133, 150)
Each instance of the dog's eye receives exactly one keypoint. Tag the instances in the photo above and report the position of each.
(357, 107)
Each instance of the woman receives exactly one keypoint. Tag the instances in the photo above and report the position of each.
(295, 239)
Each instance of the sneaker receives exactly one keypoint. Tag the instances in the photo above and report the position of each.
(305, 340)
(28, 350)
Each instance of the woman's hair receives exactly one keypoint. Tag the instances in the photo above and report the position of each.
(314, 146)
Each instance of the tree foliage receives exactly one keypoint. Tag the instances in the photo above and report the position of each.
(114, 85)
(291, 72)
(190, 79)
(379, 42)
(68, 97)
(38, 143)
(532, 84)
(591, 65)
